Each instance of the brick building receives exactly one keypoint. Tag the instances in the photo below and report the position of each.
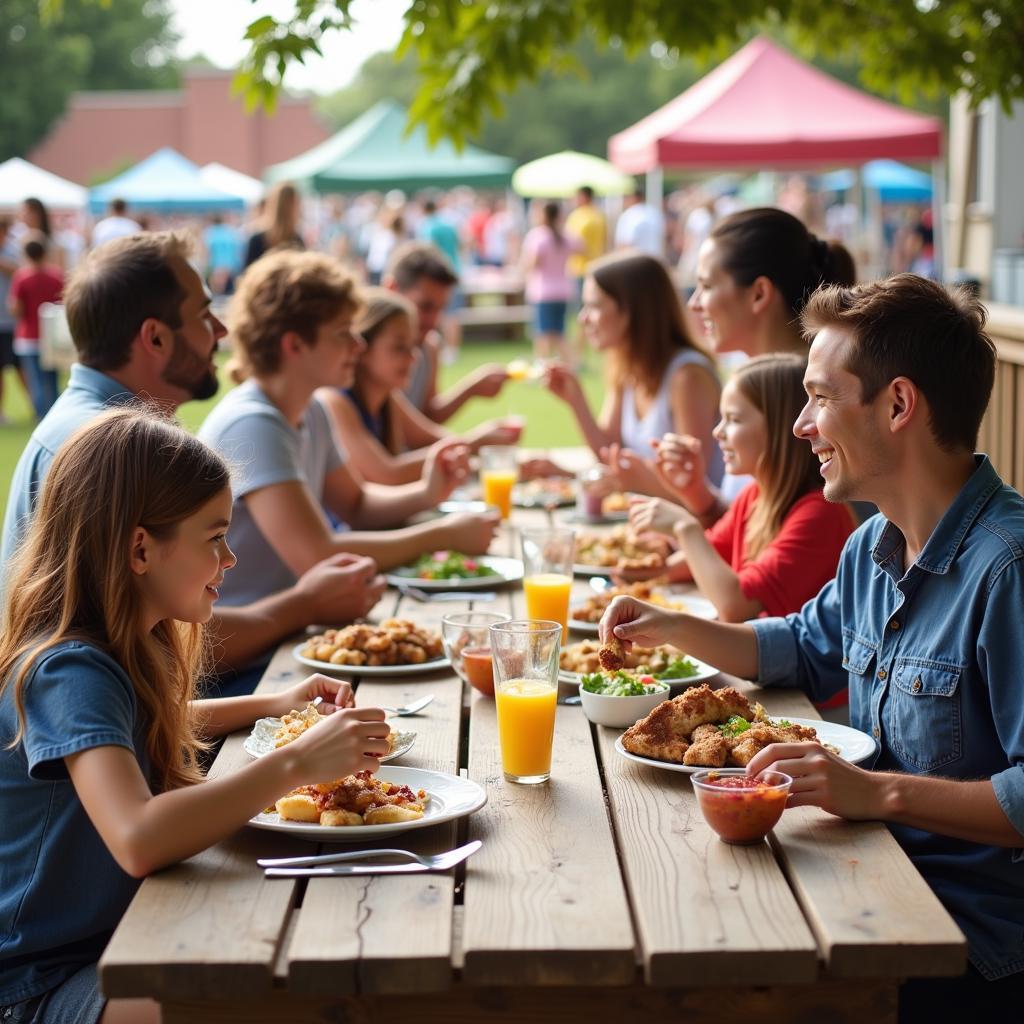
(102, 132)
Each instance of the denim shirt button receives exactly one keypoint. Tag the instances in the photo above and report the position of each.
(916, 686)
(876, 732)
(882, 673)
(895, 624)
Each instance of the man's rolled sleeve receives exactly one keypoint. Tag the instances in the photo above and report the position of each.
(778, 660)
(1009, 790)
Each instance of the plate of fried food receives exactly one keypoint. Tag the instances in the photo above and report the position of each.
(369, 806)
(665, 663)
(705, 728)
(451, 570)
(270, 733)
(397, 647)
(600, 554)
(545, 492)
(585, 617)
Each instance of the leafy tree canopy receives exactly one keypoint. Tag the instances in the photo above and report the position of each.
(471, 55)
(116, 44)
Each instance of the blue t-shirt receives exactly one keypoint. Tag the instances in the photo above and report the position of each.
(88, 393)
(440, 232)
(61, 891)
(263, 448)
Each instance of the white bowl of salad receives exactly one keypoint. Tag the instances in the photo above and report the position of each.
(619, 699)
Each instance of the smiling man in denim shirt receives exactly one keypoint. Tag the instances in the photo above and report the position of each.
(923, 621)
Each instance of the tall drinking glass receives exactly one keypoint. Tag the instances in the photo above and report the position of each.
(525, 654)
(498, 472)
(547, 581)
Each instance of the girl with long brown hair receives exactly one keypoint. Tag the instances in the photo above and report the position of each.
(387, 439)
(100, 729)
(658, 380)
(280, 224)
(779, 543)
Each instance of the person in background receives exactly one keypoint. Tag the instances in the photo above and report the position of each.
(385, 439)
(33, 284)
(587, 223)
(279, 224)
(780, 541)
(141, 321)
(499, 236)
(223, 245)
(549, 289)
(8, 266)
(641, 226)
(117, 224)
(291, 323)
(420, 273)
(922, 622)
(658, 378)
(438, 230)
(101, 658)
(755, 272)
(386, 233)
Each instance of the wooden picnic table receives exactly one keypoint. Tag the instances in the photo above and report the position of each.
(601, 896)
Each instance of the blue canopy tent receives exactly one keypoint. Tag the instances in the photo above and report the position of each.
(165, 182)
(894, 182)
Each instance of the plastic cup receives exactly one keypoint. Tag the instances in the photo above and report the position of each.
(741, 808)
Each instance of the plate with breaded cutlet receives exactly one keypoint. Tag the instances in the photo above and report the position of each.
(704, 728)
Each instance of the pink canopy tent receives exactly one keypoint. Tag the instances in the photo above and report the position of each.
(765, 108)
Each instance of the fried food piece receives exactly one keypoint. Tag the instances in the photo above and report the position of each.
(656, 735)
(708, 748)
(701, 704)
(764, 734)
(298, 807)
(337, 818)
(389, 814)
(612, 655)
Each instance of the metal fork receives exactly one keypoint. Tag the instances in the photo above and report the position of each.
(319, 864)
(411, 709)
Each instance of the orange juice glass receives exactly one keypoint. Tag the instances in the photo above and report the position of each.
(525, 655)
(498, 474)
(547, 563)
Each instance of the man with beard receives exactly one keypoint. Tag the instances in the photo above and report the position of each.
(141, 321)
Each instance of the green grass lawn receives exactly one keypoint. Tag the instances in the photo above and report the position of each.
(549, 421)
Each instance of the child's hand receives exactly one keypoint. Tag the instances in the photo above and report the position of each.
(654, 514)
(335, 693)
(681, 465)
(350, 740)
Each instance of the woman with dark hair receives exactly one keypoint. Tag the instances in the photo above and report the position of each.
(546, 252)
(35, 216)
(658, 380)
(755, 272)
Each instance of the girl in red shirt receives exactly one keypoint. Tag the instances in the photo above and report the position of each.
(780, 541)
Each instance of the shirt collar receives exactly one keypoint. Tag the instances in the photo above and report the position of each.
(105, 388)
(945, 540)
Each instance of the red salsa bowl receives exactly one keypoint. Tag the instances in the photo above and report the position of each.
(741, 808)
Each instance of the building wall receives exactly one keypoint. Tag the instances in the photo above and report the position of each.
(102, 132)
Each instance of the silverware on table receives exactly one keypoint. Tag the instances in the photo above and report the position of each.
(319, 865)
(446, 595)
(411, 709)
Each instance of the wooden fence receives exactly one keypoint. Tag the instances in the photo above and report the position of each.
(1002, 432)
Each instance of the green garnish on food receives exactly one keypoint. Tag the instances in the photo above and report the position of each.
(678, 668)
(447, 565)
(733, 726)
(619, 684)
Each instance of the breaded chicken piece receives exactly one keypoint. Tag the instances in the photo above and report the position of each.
(708, 748)
(655, 736)
(761, 735)
(701, 704)
(612, 655)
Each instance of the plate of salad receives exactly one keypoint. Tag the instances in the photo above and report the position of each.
(452, 570)
(680, 669)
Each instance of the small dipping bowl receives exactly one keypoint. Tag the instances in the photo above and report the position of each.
(741, 808)
(467, 643)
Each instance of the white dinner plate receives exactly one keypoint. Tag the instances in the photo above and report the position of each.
(261, 740)
(523, 497)
(593, 570)
(450, 797)
(853, 745)
(509, 570)
(692, 604)
(369, 671)
(703, 674)
(606, 519)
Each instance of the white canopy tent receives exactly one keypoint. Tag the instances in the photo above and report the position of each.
(235, 183)
(19, 180)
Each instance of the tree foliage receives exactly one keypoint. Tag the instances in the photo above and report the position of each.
(471, 54)
(47, 54)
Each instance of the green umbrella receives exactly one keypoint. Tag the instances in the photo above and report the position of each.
(559, 176)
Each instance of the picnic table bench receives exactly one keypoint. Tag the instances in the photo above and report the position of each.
(601, 896)
(494, 298)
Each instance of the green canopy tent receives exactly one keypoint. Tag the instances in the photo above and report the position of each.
(375, 153)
